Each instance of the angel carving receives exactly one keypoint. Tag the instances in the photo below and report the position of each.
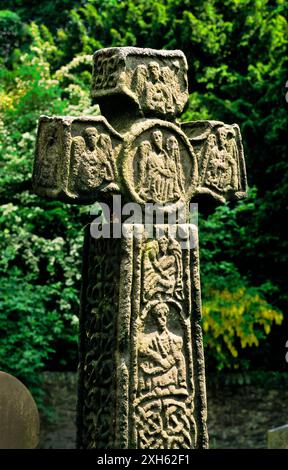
(92, 160)
(220, 161)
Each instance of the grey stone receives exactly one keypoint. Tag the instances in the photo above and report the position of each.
(19, 419)
(278, 437)
(76, 158)
(152, 82)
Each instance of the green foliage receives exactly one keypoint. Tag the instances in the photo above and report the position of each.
(238, 67)
(51, 13)
(233, 320)
(236, 315)
(39, 287)
(11, 31)
(41, 241)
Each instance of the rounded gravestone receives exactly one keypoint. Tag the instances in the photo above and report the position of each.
(19, 419)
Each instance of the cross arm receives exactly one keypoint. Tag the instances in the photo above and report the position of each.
(76, 158)
(221, 165)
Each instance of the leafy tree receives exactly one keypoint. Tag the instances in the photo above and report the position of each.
(238, 67)
(40, 240)
(11, 33)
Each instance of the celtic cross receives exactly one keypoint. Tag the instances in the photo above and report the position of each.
(141, 364)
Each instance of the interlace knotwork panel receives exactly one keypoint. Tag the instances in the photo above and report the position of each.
(100, 339)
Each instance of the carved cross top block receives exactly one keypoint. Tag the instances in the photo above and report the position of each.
(154, 81)
(147, 160)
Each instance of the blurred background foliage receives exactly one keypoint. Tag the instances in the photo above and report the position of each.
(238, 67)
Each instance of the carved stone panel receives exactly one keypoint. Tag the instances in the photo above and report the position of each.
(155, 81)
(159, 164)
(219, 151)
(160, 380)
(97, 349)
(75, 158)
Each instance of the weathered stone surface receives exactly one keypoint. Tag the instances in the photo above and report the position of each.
(97, 401)
(153, 82)
(79, 159)
(159, 164)
(278, 437)
(76, 158)
(219, 150)
(142, 378)
(19, 419)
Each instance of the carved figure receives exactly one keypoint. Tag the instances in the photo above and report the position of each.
(164, 410)
(92, 159)
(161, 362)
(159, 180)
(78, 149)
(155, 90)
(172, 86)
(145, 184)
(230, 156)
(162, 270)
(174, 153)
(221, 157)
(50, 152)
(139, 80)
(158, 87)
(105, 155)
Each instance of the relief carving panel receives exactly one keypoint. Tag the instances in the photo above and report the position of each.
(164, 402)
(49, 153)
(76, 158)
(220, 157)
(160, 363)
(155, 81)
(159, 163)
(96, 405)
(93, 161)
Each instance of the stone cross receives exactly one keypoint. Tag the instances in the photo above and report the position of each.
(141, 365)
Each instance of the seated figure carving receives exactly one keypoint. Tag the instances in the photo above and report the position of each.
(162, 368)
(162, 270)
